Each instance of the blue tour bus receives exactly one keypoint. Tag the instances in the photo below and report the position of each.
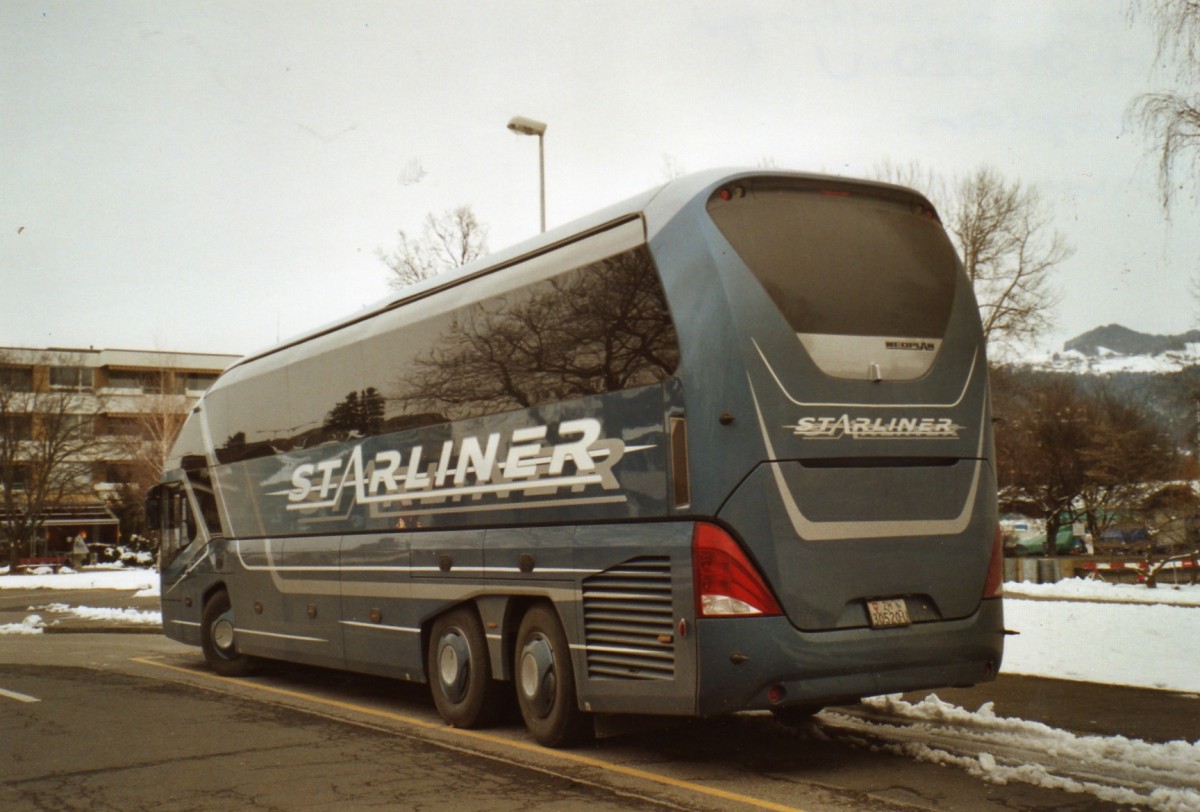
(722, 446)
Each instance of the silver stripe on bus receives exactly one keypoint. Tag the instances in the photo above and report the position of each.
(810, 530)
(544, 503)
(296, 637)
(186, 623)
(197, 561)
(380, 626)
(786, 394)
(272, 567)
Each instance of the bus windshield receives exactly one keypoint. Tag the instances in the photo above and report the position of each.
(843, 263)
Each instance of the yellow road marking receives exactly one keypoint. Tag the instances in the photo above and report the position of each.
(543, 752)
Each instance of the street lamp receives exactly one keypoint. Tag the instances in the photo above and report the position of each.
(527, 126)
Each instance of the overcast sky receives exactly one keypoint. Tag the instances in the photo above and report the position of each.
(214, 176)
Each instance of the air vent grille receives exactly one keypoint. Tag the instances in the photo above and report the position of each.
(629, 622)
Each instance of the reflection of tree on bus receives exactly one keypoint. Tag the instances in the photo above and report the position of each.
(603, 328)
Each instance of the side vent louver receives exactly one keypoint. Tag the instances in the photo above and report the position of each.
(629, 622)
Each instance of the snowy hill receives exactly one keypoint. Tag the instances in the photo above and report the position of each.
(1113, 349)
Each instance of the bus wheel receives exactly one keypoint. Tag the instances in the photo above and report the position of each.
(460, 675)
(218, 638)
(797, 716)
(546, 681)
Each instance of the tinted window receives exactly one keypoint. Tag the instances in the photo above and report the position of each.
(600, 328)
(844, 262)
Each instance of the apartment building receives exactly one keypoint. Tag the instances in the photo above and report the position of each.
(83, 432)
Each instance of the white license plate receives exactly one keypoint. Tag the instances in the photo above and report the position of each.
(885, 614)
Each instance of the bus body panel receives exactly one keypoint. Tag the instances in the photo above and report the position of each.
(842, 489)
(377, 596)
(825, 668)
(633, 654)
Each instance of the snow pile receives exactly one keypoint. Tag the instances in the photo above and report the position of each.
(145, 581)
(1116, 769)
(102, 613)
(31, 625)
(1107, 362)
(1084, 589)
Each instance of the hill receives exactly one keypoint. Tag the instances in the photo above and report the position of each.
(1159, 373)
(1115, 349)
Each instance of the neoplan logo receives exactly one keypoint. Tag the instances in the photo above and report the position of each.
(912, 346)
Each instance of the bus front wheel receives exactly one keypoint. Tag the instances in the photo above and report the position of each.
(218, 638)
(460, 670)
(546, 681)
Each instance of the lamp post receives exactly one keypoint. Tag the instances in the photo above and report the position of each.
(527, 126)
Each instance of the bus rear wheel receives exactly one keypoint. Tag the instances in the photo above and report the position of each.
(218, 638)
(546, 681)
(460, 673)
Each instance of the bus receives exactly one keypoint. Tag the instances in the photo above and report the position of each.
(724, 446)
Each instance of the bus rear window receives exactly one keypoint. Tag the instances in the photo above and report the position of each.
(845, 261)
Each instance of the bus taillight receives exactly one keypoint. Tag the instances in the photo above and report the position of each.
(993, 587)
(727, 584)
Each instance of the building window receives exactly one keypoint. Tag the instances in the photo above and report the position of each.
(79, 426)
(16, 379)
(17, 426)
(78, 378)
(197, 382)
(121, 426)
(113, 473)
(15, 476)
(148, 381)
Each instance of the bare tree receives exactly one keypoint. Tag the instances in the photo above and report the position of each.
(144, 448)
(1070, 454)
(1126, 450)
(1009, 252)
(448, 241)
(46, 451)
(1003, 232)
(1171, 118)
(1038, 435)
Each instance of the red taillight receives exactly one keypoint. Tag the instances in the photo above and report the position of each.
(993, 587)
(727, 584)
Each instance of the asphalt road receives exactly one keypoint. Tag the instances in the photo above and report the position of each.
(137, 722)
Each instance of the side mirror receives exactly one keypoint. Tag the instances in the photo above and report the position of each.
(154, 505)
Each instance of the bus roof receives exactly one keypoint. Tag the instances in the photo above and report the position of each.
(655, 207)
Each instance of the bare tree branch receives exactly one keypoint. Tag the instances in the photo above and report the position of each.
(1170, 119)
(1009, 250)
(451, 240)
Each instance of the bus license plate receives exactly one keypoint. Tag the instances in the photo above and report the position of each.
(885, 614)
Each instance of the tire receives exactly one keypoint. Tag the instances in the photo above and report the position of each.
(546, 681)
(460, 671)
(796, 716)
(218, 638)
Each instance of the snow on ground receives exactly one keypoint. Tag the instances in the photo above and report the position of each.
(1109, 633)
(145, 581)
(35, 624)
(136, 616)
(1084, 589)
(1160, 776)
(31, 625)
